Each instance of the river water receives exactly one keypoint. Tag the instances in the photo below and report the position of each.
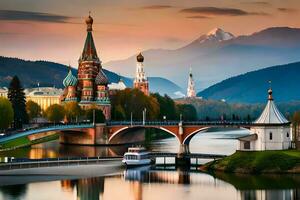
(152, 183)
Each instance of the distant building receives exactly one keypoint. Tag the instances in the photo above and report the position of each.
(44, 96)
(90, 87)
(117, 86)
(191, 93)
(3, 92)
(141, 81)
(272, 131)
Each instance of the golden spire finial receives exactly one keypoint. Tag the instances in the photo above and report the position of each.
(89, 22)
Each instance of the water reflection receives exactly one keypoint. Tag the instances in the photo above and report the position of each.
(161, 184)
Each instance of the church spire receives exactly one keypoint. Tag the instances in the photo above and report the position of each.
(89, 52)
(191, 86)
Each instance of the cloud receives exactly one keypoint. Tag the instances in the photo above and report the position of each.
(198, 17)
(219, 11)
(286, 10)
(15, 15)
(260, 3)
(156, 7)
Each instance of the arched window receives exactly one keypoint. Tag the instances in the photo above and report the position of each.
(287, 134)
(271, 136)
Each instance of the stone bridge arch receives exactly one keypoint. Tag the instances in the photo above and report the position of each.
(189, 135)
(116, 131)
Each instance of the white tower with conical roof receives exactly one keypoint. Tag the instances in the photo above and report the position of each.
(191, 86)
(271, 130)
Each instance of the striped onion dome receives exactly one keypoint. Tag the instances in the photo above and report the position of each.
(271, 114)
(70, 79)
(101, 78)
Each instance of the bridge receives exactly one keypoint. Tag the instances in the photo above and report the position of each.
(106, 134)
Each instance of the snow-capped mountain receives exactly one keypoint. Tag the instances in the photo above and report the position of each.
(218, 55)
(216, 35)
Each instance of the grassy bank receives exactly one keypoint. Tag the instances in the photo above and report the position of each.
(24, 141)
(285, 161)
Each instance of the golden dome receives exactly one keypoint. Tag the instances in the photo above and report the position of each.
(140, 58)
(89, 20)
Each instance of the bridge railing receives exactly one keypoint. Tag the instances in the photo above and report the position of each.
(47, 126)
(165, 123)
(47, 162)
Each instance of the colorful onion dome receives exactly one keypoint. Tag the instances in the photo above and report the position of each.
(140, 58)
(70, 79)
(101, 78)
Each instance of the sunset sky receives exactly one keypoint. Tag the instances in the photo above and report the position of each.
(55, 30)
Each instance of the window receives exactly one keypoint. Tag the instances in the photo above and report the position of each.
(271, 136)
(287, 134)
(247, 145)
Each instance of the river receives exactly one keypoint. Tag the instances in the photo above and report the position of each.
(152, 183)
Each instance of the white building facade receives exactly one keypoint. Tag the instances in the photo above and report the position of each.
(191, 93)
(271, 131)
(3, 92)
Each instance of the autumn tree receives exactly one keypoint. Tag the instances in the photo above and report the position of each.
(55, 113)
(72, 111)
(6, 113)
(33, 109)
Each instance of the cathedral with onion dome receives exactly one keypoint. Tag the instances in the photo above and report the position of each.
(90, 87)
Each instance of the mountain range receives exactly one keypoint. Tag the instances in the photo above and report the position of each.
(52, 74)
(252, 87)
(218, 55)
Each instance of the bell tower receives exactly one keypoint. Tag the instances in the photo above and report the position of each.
(141, 81)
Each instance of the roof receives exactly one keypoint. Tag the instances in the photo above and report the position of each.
(89, 52)
(271, 114)
(70, 79)
(101, 78)
(250, 137)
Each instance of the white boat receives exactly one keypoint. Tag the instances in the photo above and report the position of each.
(137, 156)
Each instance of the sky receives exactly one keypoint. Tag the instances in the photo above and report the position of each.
(55, 30)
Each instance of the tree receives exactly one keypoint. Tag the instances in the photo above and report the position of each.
(72, 111)
(6, 113)
(17, 98)
(33, 109)
(55, 113)
(134, 101)
(99, 116)
(188, 112)
(167, 107)
(119, 113)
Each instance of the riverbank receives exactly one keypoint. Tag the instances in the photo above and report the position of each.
(258, 162)
(25, 142)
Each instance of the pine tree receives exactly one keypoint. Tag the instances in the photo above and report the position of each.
(17, 98)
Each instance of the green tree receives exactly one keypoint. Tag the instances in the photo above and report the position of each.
(99, 116)
(33, 109)
(55, 113)
(72, 111)
(17, 97)
(296, 123)
(134, 101)
(188, 112)
(6, 113)
(167, 107)
(119, 113)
